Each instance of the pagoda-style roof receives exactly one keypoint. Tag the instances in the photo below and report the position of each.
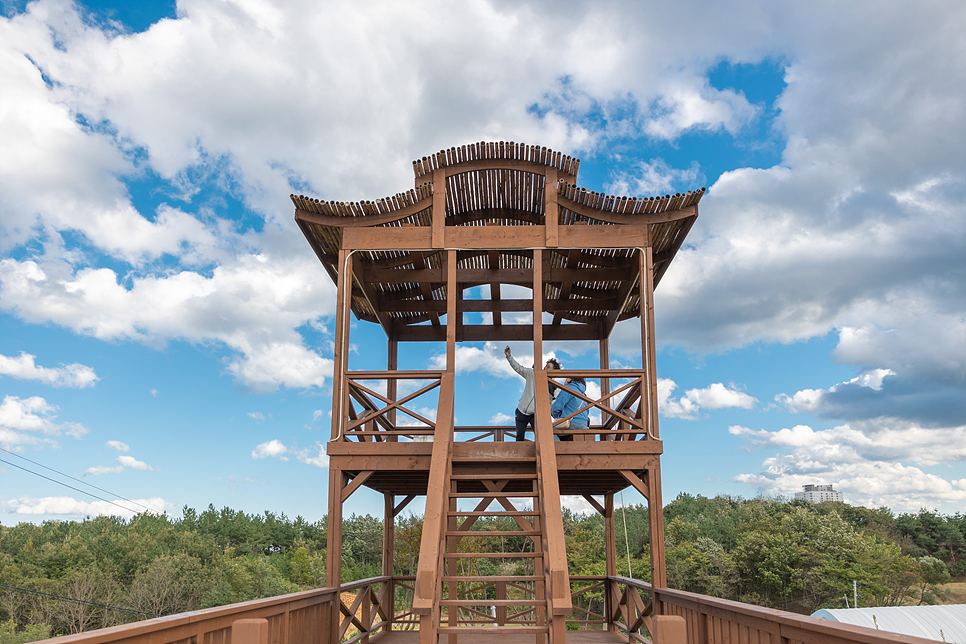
(494, 210)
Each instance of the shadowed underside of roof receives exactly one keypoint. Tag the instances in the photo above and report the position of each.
(499, 192)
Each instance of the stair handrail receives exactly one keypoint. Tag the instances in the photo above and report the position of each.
(559, 595)
(434, 524)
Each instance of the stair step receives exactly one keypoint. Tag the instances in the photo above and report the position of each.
(492, 555)
(483, 630)
(493, 533)
(509, 578)
(493, 602)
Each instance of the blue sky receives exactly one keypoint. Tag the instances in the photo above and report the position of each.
(166, 333)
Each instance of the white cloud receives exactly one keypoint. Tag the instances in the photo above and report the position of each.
(319, 459)
(489, 360)
(21, 419)
(866, 460)
(133, 463)
(500, 418)
(73, 508)
(578, 505)
(317, 414)
(72, 375)
(97, 470)
(714, 396)
(252, 306)
(654, 178)
(273, 448)
(690, 106)
(257, 416)
(812, 400)
(123, 462)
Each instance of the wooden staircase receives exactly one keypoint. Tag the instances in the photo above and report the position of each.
(489, 565)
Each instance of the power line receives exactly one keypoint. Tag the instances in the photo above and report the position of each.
(79, 601)
(68, 486)
(76, 479)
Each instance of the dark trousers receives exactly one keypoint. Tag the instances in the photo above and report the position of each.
(523, 421)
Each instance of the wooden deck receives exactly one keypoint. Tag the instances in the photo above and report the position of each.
(585, 467)
(573, 637)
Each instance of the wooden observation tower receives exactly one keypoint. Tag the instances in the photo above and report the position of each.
(493, 215)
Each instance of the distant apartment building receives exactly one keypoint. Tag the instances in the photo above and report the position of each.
(819, 494)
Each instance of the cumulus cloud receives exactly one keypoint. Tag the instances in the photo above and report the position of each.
(123, 462)
(811, 400)
(23, 419)
(274, 448)
(489, 360)
(24, 368)
(655, 177)
(714, 396)
(118, 445)
(868, 460)
(71, 508)
(252, 306)
(881, 393)
(309, 455)
(500, 418)
(316, 457)
(133, 463)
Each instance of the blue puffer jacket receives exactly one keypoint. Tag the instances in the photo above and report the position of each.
(566, 404)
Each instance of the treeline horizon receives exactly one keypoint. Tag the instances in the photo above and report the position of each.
(773, 552)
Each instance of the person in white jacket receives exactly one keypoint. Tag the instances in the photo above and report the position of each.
(528, 400)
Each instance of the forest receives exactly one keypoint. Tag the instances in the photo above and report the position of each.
(778, 553)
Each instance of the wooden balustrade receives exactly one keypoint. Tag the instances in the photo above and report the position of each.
(292, 619)
(376, 420)
(374, 417)
(383, 604)
(711, 620)
(377, 605)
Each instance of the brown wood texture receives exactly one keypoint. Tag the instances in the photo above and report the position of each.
(500, 199)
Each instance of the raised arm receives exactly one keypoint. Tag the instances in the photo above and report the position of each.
(519, 368)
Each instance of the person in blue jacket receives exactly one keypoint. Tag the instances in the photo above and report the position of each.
(566, 403)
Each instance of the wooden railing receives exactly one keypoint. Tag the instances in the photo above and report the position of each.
(431, 542)
(304, 617)
(367, 607)
(292, 619)
(372, 414)
(711, 620)
(621, 421)
(380, 417)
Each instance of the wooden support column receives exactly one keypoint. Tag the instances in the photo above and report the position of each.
(333, 545)
(537, 309)
(655, 518)
(610, 559)
(342, 308)
(604, 345)
(388, 534)
(551, 212)
(439, 207)
(648, 343)
(451, 314)
(392, 385)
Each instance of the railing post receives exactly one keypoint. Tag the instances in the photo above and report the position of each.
(249, 631)
(668, 629)
(366, 608)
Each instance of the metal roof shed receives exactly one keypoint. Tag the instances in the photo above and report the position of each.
(942, 623)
